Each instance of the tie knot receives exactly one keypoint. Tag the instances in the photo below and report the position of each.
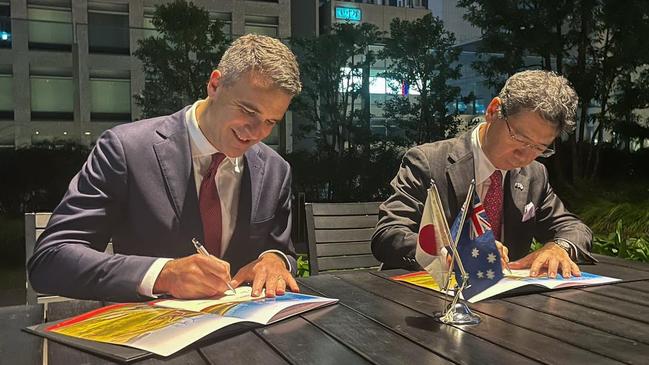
(496, 177)
(217, 158)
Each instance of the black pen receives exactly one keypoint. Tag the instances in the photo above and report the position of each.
(201, 250)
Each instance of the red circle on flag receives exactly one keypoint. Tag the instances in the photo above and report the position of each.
(427, 240)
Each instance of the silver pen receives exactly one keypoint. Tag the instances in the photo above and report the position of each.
(201, 250)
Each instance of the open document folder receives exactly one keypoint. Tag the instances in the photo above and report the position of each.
(166, 326)
(518, 282)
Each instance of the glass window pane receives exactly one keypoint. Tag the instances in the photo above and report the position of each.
(110, 96)
(149, 28)
(49, 27)
(6, 93)
(273, 138)
(108, 33)
(261, 29)
(5, 26)
(52, 94)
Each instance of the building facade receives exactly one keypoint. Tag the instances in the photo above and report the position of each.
(66, 70)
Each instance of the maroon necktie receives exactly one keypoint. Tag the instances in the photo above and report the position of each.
(493, 202)
(210, 206)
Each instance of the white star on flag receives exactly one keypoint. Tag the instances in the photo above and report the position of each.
(491, 258)
(475, 253)
(480, 275)
(490, 274)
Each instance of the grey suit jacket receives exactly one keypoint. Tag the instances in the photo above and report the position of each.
(450, 164)
(137, 188)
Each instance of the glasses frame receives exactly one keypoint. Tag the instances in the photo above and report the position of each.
(542, 150)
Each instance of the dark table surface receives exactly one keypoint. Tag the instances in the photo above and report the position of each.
(379, 321)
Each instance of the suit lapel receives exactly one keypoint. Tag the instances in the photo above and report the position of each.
(460, 171)
(174, 158)
(256, 168)
(516, 191)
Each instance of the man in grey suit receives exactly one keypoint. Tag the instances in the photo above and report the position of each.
(522, 122)
(152, 186)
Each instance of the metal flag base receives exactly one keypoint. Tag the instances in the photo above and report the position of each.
(458, 313)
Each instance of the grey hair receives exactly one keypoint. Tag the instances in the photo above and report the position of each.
(544, 92)
(265, 56)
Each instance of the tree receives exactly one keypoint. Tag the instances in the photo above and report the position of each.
(421, 53)
(179, 59)
(594, 43)
(332, 67)
(349, 164)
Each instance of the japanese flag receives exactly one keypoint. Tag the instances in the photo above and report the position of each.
(434, 235)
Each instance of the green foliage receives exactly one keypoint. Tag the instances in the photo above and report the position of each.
(595, 44)
(620, 245)
(35, 178)
(422, 53)
(601, 205)
(358, 174)
(179, 60)
(303, 269)
(332, 66)
(536, 245)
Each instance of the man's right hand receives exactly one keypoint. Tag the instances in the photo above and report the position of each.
(193, 277)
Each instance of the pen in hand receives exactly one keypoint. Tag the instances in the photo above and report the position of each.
(201, 250)
(509, 271)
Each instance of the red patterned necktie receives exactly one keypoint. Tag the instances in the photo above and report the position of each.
(493, 202)
(210, 205)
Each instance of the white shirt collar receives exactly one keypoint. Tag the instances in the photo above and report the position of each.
(483, 167)
(200, 146)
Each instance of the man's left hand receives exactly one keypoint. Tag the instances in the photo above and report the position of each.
(268, 271)
(549, 258)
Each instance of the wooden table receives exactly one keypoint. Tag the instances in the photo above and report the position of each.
(379, 321)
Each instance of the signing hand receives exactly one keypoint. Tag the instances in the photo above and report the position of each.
(268, 272)
(504, 255)
(192, 277)
(548, 259)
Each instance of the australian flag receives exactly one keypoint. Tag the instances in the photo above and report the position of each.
(477, 249)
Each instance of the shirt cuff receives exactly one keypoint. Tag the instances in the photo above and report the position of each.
(280, 253)
(146, 286)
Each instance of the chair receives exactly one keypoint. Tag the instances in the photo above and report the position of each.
(35, 223)
(339, 235)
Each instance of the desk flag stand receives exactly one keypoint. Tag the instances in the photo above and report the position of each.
(458, 312)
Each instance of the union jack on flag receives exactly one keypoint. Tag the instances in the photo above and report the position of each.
(477, 249)
(478, 219)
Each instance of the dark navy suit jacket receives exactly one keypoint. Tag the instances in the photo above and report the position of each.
(137, 188)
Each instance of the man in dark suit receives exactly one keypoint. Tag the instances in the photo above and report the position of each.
(153, 185)
(522, 122)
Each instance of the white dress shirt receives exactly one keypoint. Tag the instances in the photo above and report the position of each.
(481, 164)
(228, 183)
(483, 170)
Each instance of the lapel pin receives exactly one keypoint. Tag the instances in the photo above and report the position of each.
(518, 186)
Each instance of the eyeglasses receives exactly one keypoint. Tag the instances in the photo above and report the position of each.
(542, 150)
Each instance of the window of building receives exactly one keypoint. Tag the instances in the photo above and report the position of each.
(108, 32)
(149, 28)
(6, 96)
(264, 25)
(273, 137)
(110, 99)
(226, 20)
(52, 96)
(5, 25)
(50, 28)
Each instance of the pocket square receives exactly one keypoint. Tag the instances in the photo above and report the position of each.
(530, 212)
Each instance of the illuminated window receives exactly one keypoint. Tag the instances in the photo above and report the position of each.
(52, 97)
(50, 28)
